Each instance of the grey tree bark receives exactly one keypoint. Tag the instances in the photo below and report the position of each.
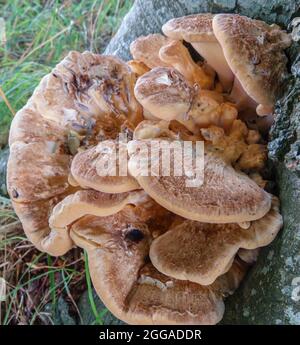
(3, 165)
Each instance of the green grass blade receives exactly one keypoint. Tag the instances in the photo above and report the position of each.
(90, 291)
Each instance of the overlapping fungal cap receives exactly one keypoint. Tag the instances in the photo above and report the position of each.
(138, 67)
(91, 202)
(238, 145)
(201, 252)
(146, 49)
(240, 49)
(85, 99)
(190, 28)
(37, 171)
(77, 205)
(37, 180)
(22, 130)
(130, 286)
(83, 88)
(197, 30)
(164, 93)
(89, 171)
(167, 95)
(148, 129)
(175, 54)
(254, 51)
(34, 218)
(248, 255)
(226, 195)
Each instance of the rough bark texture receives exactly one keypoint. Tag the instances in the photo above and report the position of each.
(3, 164)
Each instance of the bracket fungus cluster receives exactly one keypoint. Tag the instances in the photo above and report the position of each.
(160, 251)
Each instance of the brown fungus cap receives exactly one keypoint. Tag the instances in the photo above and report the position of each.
(34, 218)
(226, 196)
(37, 175)
(37, 171)
(175, 54)
(91, 202)
(165, 93)
(192, 28)
(87, 86)
(138, 67)
(163, 129)
(129, 285)
(254, 52)
(201, 252)
(86, 169)
(56, 241)
(248, 255)
(86, 98)
(197, 29)
(43, 130)
(146, 49)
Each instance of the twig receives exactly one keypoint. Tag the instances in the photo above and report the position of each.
(6, 101)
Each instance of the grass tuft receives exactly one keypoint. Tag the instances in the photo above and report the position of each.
(40, 33)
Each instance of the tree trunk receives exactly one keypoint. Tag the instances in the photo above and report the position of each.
(3, 165)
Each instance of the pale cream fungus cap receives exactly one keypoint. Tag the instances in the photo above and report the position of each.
(226, 196)
(254, 51)
(146, 49)
(201, 252)
(192, 28)
(78, 97)
(198, 31)
(131, 287)
(85, 169)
